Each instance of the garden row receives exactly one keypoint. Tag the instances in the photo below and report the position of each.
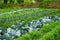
(7, 20)
(18, 30)
(13, 16)
(47, 32)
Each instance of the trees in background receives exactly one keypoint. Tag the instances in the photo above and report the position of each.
(20, 1)
(12, 1)
(39, 0)
(5, 1)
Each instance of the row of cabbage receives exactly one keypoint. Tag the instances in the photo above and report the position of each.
(18, 30)
(14, 16)
(8, 11)
(48, 32)
(7, 20)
